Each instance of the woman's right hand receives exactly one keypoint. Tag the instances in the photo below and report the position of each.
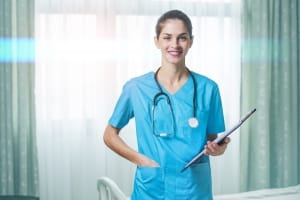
(114, 141)
(144, 161)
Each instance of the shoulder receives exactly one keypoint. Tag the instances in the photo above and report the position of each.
(203, 80)
(143, 78)
(139, 81)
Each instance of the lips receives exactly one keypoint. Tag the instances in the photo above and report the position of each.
(175, 53)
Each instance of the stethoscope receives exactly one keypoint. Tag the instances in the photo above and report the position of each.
(193, 121)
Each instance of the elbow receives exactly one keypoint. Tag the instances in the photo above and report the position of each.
(109, 134)
(106, 138)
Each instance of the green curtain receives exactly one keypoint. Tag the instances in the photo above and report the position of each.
(18, 160)
(270, 141)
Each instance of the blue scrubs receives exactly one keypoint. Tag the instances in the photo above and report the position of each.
(182, 143)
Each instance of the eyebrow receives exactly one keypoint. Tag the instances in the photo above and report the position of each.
(168, 34)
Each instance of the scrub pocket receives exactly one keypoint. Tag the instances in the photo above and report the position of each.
(149, 182)
(195, 183)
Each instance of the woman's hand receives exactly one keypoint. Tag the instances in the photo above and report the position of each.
(144, 161)
(213, 149)
(114, 141)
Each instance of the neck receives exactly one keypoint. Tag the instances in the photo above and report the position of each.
(172, 79)
(172, 74)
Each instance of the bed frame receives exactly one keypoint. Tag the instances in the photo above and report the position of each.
(109, 190)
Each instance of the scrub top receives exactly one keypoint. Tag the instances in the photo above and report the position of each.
(181, 142)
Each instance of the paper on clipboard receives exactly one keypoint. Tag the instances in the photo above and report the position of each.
(219, 139)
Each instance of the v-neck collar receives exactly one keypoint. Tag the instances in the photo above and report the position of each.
(181, 88)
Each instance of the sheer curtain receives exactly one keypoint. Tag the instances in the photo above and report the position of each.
(86, 50)
(18, 155)
(270, 81)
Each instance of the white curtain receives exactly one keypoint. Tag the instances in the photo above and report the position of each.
(86, 50)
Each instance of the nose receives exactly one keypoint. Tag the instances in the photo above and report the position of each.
(174, 42)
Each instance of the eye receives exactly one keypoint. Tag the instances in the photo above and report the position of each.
(182, 38)
(166, 38)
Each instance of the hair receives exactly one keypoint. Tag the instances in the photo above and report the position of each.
(174, 14)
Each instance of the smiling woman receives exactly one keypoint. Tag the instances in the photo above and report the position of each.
(85, 52)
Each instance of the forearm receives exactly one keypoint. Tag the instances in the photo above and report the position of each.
(114, 142)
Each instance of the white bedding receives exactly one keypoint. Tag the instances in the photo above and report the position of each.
(109, 190)
(287, 193)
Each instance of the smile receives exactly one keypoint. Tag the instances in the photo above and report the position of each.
(175, 53)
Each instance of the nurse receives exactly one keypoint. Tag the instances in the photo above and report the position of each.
(177, 113)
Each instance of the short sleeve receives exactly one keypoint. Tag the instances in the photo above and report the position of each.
(123, 110)
(216, 117)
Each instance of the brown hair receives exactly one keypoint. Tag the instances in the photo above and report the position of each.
(174, 14)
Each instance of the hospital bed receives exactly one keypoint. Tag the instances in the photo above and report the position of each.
(109, 190)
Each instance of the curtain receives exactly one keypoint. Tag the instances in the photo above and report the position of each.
(270, 142)
(18, 160)
(85, 51)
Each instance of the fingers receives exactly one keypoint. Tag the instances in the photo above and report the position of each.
(144, 161)
(153, 164)
(214, 149)
(227, 140)
(210, 148)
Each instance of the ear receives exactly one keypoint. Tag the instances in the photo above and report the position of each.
(156, 42)
(192, 39)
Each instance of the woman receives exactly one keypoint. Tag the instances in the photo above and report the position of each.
(177, 113)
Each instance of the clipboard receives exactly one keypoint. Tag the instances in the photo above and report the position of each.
(220, 138)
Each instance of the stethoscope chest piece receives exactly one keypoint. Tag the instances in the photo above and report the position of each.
(193, 122)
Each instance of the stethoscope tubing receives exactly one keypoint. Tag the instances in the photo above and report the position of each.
(193, 121)
(167, 96)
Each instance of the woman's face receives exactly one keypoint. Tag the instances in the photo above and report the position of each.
(174, 41)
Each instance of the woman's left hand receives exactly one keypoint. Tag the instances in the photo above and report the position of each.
(213, 149)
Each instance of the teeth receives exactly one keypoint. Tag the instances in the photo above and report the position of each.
(175, 53)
